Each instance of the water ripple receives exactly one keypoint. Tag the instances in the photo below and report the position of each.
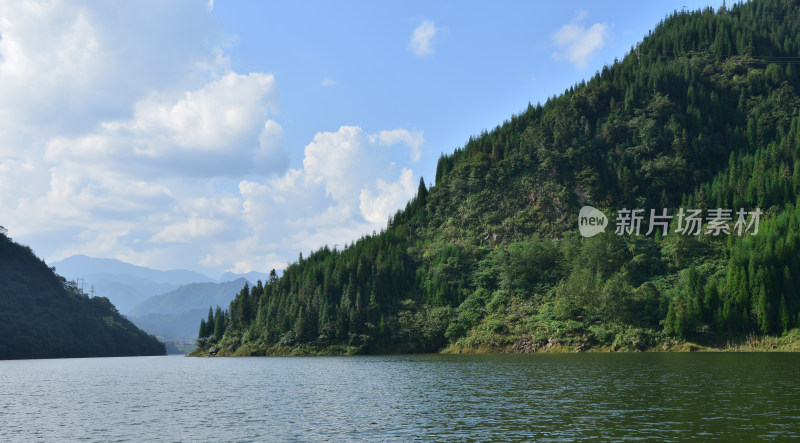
(668, 397)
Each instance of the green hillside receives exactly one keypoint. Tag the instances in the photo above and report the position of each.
(702, 114)
(44, 316)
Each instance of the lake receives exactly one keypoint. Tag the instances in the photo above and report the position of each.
(660, 396)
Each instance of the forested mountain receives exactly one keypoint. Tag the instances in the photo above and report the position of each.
(702, 114)
(44, 316)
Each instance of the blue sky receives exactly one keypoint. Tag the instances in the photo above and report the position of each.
(230, 136)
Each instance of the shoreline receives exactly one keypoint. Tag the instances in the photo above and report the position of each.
(787, 343)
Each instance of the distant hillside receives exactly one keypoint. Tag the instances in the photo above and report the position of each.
(44, 316)
(124, 284)
(176, 314)
(188, 297)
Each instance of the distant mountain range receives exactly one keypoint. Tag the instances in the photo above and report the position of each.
(168, 304)
(82, 266)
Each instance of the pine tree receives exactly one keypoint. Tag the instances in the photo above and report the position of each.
(785, 320)
(422, 191)
(210, 323)
(219, 324)
(202, 333)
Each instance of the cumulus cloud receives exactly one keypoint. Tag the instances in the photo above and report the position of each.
(329, 157)
(65, 65)
(388, 198)
(578, 43)
(192, 229)
(220, 129)
(106, 132)
(340, 193)
(412, 139)
(148, 147)
(421, 43)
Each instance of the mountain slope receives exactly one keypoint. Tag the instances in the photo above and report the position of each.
(44, 316)
(703, 114)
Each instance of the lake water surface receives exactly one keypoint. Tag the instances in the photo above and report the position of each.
(725, 397)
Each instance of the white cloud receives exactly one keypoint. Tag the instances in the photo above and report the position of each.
(337, 168)
(422, 39)
(148, 147)
(208, 118)
(108, 132)
(329, 157)
(389, 197)
(338, 195)
(578, 43)
(64, 65)
(328, 82)
(220, 129)
(413, 139)
(192, 229)
(349, 160)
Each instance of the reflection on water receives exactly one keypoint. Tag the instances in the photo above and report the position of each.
(400, 398)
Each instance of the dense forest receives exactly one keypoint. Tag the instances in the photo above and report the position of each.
(44, 316)
(702, 114)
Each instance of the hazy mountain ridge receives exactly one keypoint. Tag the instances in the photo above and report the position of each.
(128, 285)
(176, 314)
(78, 266)
(190, 296)
(251, 276)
